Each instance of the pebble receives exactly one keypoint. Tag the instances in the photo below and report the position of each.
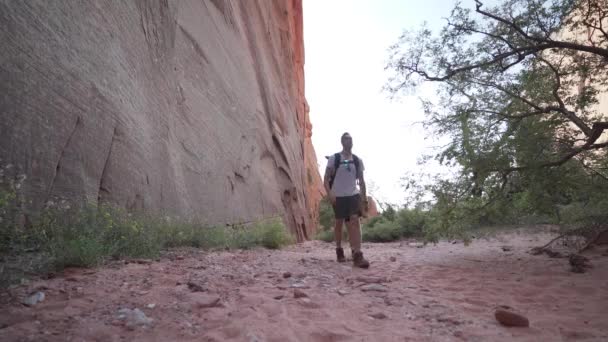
(297, 293)
(378, 315)
(134, 317)
(509, 318)
(287, 275)
(203, 301)
(34, 298)
(374, 287)
(343, 292)
(393, 259)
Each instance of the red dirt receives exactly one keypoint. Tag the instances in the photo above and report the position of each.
(446, 292)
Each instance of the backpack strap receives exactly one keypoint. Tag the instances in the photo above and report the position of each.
(356, 160)
(337, 158)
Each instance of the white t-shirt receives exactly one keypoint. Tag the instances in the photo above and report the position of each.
(345, 181)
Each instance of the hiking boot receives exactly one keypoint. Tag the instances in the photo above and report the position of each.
(359, 260)
(340, 254)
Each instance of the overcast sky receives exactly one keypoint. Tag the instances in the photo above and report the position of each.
(346, 44)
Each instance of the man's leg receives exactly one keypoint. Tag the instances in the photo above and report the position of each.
(338, 238)
(338, 232)
(354, 232)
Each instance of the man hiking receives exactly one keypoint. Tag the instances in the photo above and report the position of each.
(344, 170)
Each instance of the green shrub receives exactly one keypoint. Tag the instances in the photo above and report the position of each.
(325, 235)
(89, 236)
(326, 214)
(382, 231)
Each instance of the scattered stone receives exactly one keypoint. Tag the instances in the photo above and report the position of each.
(299, 286)
(537, 251)
(507, 317)
(151, 306)
(33, 299)
(287, 275)
(343, 293)
(448, 320)
(134, 317)
(204, 301)
(393, 259)
(141, 261)
(306, 302)
(371, 280)
(194, 287)
(374, 288)
(416, 244)
(279, 297)
(507, 248)
(378, 315)
(179, 257)
(297, 293)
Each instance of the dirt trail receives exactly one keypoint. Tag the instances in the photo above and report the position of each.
(446, 292)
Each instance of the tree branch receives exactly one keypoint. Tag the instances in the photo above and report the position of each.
(552, 43)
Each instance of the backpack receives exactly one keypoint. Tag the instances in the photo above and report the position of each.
(337, 159)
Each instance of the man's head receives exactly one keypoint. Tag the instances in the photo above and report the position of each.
(347, 141)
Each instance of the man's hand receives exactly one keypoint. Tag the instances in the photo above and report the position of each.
(332, 198)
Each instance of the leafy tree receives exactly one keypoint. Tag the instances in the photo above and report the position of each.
(517, 88)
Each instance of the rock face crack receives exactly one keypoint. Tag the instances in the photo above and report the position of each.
(104, 191)
(61, 157)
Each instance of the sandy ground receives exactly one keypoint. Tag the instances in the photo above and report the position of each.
(444, 292)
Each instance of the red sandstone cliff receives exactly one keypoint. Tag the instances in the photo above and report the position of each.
(188, 108)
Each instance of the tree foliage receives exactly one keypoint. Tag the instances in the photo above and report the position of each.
(517, 92)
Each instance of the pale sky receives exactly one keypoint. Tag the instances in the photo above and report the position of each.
(346, 44)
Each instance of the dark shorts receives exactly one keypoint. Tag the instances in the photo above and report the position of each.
(346, 207)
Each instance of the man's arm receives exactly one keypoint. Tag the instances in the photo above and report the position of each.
(329, 170)
(363, 187)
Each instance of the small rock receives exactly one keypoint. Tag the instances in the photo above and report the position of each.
(287, 275)
(134, 317)
(194, 287)
(306, 302)
(374, 287)
(507, 248)
(448, 320)
(393, 259)
(379, 315)
(279, 297)
(151, 306)
(371, 280)
(297, 293)
(299, 286)
(33, 299)
(343, 293)
(206, 301)
(416, 244)
(509, 318)
(179, 257)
